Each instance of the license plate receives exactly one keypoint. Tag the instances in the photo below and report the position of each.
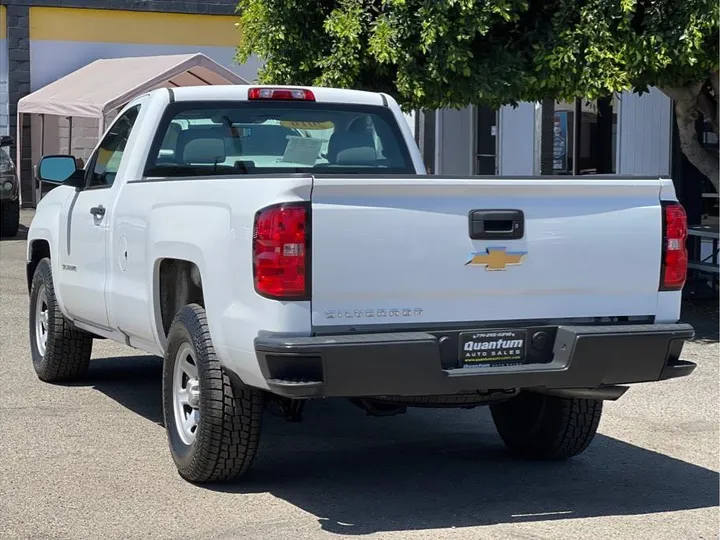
(492, 348)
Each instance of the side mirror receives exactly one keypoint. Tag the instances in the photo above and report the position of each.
(6, 140)
(60, 170)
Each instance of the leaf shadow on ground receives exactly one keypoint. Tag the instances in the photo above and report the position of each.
(427, 469)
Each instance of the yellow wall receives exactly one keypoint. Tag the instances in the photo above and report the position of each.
(3, 22)
(141, 27)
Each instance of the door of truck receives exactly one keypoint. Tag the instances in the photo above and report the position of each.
(84, 255)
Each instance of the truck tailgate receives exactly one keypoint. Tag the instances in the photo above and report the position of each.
(399, 250)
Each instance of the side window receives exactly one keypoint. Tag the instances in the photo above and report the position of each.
(106, 161)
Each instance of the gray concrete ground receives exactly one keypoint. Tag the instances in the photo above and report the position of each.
(90, 461)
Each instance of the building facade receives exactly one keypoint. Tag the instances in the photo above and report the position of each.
(628, 134)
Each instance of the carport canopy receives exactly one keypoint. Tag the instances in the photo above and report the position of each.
(105, 85)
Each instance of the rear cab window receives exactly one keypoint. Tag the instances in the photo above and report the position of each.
(217, 139)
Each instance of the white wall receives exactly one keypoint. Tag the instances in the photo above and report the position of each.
(410, 119)
(645, 134)
(516, 145)
(84, 136)
(455, 142)
(643, 142)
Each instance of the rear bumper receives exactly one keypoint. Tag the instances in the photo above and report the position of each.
(412, 363)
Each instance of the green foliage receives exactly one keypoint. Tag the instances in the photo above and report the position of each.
(451, 53)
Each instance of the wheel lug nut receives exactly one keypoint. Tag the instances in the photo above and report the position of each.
(194, 394)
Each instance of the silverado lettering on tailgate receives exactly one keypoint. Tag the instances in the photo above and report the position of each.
(372, 313)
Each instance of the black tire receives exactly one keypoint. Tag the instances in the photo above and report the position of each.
(230, 416)
(9, 218)
(67, 349)
(544, 427)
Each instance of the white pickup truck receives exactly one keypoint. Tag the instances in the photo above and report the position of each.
(276, 244)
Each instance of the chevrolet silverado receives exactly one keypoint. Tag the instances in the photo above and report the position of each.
(280, 244)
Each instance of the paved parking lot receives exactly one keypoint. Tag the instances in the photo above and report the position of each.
(90, 461)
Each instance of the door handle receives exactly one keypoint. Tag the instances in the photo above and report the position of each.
(98, 211)
(496, 224)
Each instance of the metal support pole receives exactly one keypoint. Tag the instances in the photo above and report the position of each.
(18, 155)
(70, 134)
(42, 135)
(438, 164)
(38, 185)
(577, 126)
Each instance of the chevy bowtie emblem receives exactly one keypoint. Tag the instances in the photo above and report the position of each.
(496, 258)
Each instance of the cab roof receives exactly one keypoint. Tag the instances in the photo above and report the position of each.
(240, 93)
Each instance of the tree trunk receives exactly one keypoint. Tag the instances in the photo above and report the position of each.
(687, 111)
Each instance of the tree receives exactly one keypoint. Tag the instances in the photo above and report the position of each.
(452, 53)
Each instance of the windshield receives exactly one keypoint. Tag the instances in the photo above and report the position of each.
(199, 139)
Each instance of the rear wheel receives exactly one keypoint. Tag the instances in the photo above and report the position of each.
(539, 426)
(213, 426)
(60, 352)
(9, 218)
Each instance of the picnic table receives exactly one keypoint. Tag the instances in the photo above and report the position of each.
(703, 236)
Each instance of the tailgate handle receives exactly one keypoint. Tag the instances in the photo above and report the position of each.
(497, 224)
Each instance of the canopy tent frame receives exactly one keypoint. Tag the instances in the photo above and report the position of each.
(106, 85)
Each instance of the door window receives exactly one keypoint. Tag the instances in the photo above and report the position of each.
(107, 158)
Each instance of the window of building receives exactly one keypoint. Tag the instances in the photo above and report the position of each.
(585, 137)
(486, 135)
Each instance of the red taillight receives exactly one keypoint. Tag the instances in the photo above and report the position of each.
(281, 241)
(281, 94)
(674, 253)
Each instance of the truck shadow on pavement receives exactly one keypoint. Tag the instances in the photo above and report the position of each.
(21, 234)
(427, 469)
(704, 316)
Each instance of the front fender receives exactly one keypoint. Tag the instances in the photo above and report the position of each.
(46, 227)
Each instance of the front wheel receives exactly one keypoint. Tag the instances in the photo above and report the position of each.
(539, 426)
(60, 351)
(213, 426)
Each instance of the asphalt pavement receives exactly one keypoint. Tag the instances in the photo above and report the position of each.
(90, 460)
